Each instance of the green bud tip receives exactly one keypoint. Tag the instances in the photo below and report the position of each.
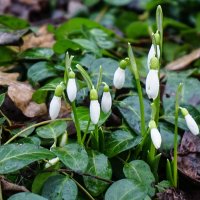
(71, 74)
(152, 124)
(93, 94)
(123, 64)
(154, 63)
(106, 88)
(58, 91)
(184, 111)
(157, 38)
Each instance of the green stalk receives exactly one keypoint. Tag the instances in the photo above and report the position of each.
(96, 135)
(175, 171)
(35, 125)
(86, 131)
(77, 124)
(135, 72)
(99, 80)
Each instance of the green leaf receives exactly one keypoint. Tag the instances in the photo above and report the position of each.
(52, 130)
(137, 29)
(130, 110)
(40, 71)
(120, 141)
(73, 156)
(16, 156)
(74, 26)
(163, 185)
(7, 55)
(36, 53)
(126, 189)
(98, 165)
(61, 46)
(13, 22)
(140, 172)
(109, 67)
(90, 2)
(118, 2)
(60, 187)
(83, 114)
(39, 181)
(26, 196)
(2, 98)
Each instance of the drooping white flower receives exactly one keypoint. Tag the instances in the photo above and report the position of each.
(152, 53)
(94, 111)
(191, 124)
(152, 84)
(119, 78)
(156, 138)
(54, 107)
(71, 89)
(63, 140)
(106, 102)
(51, 162)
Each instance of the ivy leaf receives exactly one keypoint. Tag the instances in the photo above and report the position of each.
(98, 166)
(16, 156)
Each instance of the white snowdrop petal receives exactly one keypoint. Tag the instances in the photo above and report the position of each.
(71, 89)
(152, 84)
(152, 53)
(54, 107)
(191, 124)
(119, 78)
(94, 111)
(106, 102)
(51, 162)
(156, 138)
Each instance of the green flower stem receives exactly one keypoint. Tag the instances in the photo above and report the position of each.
(159, 22)
(77, 124)
(99, 80)
(96, 135)
(86, 131)
(175, 171)
(135, 72)
(35, 125)
(152, 153)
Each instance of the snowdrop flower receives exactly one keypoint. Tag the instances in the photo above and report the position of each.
(155, 134)
(94, 106)
(51, 162)
(71, 87)
(191, 124)
(106, 101)
(152, 80)
(55, 103)
(119, 76)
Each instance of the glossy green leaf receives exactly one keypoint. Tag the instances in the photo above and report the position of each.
(16, 156)
(40, 71)
(126, 189)
(7, 55)
(118, 2)
(26, 196)
(61, 46)
(140, 172)
(90, 2)
(52, 130)
(60, 187)
(13, 22)
(130, 110)
(73, 156)
(36, 53)
(2, 98)
(98, 166)
(119, 141)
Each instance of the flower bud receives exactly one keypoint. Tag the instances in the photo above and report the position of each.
(152, 84)
(51, 162)
(106, 101)
(94, 111)
(191, 123)
(155, 134)
(119, 78)
(71, 87)
(54, 107)
(152, 53)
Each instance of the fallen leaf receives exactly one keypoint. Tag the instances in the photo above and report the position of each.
(21, 95)
(8, 78)
(184, 61)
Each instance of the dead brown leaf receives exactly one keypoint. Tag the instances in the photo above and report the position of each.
(41, 39)
(8, 78)
(184, 61)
